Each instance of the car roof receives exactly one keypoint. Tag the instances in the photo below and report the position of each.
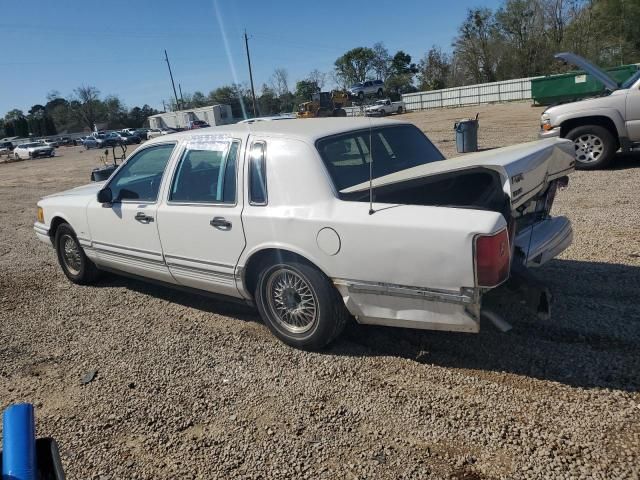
(308, 129)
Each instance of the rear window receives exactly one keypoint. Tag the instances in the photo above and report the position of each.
(348, 156)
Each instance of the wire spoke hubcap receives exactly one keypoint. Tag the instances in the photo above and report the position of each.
(291, 301)
(589, 148)
(71, 254)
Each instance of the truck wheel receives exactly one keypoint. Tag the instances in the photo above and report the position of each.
(300, 305)
(379, 93)
(75, 264)
(595, 146)
(400, 109)
(340, 112)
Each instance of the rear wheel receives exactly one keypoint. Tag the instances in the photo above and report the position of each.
(299, 304)
(595, 146)
(400, 109)
(75, 264)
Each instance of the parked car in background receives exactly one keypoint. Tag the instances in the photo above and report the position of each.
(198, 124)
(33, 150)
(280, 216)
(49, 142)
(365, 89)
(157, 132)
(384, 107)
(141, 132)
(6, 148)
(126, 138)
(599, 126)
(78, 140)
(100, 140)
(65, 141)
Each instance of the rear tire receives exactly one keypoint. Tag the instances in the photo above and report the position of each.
(299, 304)
(73, 261)
(400, 109)
(595, 146)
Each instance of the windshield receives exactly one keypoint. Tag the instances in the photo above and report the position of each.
(631, 80)
(348, 156)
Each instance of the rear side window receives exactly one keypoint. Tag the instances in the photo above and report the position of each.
(257, 174)
(348, 156)
(206, 174)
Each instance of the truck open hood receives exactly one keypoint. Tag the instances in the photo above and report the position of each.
(525, 169)
(590, 68)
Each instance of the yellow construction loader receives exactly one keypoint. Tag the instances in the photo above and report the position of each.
(325, 104)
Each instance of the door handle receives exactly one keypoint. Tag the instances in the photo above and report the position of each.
(143, 217)
(220, 222)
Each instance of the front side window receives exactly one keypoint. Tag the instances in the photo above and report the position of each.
(257, 174)
(139, 179)
(348, 156)
(206, 174)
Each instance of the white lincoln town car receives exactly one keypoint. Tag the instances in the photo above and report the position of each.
(314, 221)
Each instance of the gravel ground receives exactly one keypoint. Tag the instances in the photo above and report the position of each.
(188, 387)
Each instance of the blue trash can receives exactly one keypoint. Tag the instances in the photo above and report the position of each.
(466, 135)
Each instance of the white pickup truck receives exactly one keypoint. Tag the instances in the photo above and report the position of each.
(384, 107)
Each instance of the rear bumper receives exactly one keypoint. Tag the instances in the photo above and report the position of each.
(377, 303)
(544, 240)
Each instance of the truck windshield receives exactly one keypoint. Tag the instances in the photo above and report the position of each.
(631, 80)
(347, 156)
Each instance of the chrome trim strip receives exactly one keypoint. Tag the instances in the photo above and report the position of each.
(214, 264)
(127, 248)
(199, 270)
(378, 288)
(129, 257)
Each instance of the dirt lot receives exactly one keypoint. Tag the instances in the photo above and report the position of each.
(188, 387)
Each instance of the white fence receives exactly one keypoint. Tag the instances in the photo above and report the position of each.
(505, 91)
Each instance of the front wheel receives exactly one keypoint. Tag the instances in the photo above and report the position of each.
(300, 305)
(595, 146)
(75, 264)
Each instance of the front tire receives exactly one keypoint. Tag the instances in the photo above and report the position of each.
(73, 261)
(595, 146)
(299, 305)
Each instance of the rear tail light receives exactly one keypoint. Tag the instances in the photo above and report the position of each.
(492, 258)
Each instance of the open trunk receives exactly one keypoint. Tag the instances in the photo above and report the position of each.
(507, 180)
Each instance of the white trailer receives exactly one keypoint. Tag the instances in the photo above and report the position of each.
(213, 115)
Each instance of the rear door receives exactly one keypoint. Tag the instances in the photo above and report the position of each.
(199, 220)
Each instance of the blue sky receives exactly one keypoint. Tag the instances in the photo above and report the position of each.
(117, 46)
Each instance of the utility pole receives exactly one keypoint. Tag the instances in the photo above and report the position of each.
(171, 75)
(181, 97)
(164, 107)
(253, 92)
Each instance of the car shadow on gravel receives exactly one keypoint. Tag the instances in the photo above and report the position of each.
(203, 302)
(624, 161)
(591, 341)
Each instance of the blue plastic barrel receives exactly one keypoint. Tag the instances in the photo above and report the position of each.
(18, 443)
(466, 135)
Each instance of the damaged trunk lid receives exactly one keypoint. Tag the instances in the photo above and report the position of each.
(523, 171)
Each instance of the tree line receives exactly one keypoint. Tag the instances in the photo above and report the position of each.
(518, 39)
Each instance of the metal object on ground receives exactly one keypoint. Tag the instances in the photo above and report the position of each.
(467, 135)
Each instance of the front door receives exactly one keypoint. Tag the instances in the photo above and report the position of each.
(200, 219)
(633, 113)
(124, 233)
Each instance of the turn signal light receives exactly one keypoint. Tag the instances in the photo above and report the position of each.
(40, 215)
(493, 258)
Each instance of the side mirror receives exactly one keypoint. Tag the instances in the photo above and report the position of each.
(105, 195)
